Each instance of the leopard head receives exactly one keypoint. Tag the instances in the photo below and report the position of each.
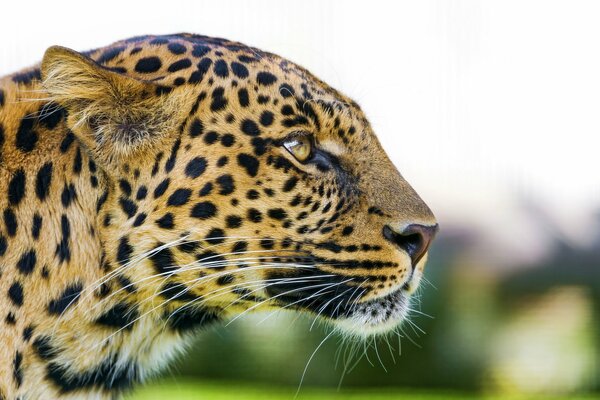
(236, 181)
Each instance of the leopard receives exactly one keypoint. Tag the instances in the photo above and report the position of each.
(166, 183)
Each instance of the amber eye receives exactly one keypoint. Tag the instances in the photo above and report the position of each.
(300, 147)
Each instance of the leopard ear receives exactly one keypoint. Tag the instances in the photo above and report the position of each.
(113, 114)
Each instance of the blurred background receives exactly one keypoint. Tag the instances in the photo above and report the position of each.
(491, 110)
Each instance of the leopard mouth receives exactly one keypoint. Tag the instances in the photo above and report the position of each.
(377, 316)
(338, 302)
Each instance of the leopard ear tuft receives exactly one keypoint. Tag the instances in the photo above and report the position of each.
(111, 113)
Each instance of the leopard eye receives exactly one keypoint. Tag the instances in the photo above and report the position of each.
(300, 147)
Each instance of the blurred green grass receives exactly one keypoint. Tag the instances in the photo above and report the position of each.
(188, 390)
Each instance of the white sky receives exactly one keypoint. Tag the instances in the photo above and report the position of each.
(479, 104)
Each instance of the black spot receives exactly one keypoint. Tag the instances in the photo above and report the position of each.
(226, 184)
(211, 137)
(67, 141)
(110, 54)
(62, 249)
(28, 76)
(227, 140)
(250, 128)
(239, 247)
(16, 188)
(160, 90)
(27, 332)
(26, 137)
(200, 50)
(196, 128)
(121, 316)
(347, 231)
(15, 293)
(161, 188)
(249, 163)
(195, 167)
(243, 97)
(286, 90)
(26, 263)
(206, 189)
(68, 195)
(43, 181)
(204, 210)
(124, 251)
(233, 221)
(50, 115)
(215, 236)
(266, 118)
(277, 213)
(141, 193)
(125, 187)
(198, 75)
(176, 48)
(187, 319)
(148, 65)
(17, 371)
(111, 374)
(290, 184)
(66, 299)
(140, 219)
(177, 291)
(247, 59)
(267, 243)
(166, 221)
(10, 318)
(3, 245)
(10, 220)
(252, 194)
(119, 70)
(189, 247)
(260, 145)
(218, 100)
(225, 279)
(171, 160)
(239, 70)
(2, 96)
(265, 78)
(159, 40)
(43, 348)
(179, 65)
(254, 215)
(221, 69)
(77, 162)
(163, 260)
(128, 207)
(101, 201)
(222, 161)
(179, 197)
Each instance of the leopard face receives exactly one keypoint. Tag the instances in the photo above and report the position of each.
(236, 181)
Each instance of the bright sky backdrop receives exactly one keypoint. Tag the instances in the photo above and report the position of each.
(483, 105)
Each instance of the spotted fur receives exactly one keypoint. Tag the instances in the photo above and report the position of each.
(145, 192)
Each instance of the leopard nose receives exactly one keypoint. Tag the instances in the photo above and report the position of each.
(414, 239)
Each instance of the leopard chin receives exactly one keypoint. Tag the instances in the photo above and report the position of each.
(377, 316)
(384, 314)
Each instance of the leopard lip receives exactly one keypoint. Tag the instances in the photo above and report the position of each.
(377, 316)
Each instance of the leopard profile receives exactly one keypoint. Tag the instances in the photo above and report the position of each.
(163, 183)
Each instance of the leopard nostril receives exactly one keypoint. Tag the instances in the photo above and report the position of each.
(414, 239)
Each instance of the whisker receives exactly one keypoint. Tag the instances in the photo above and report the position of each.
(309, 360)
